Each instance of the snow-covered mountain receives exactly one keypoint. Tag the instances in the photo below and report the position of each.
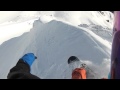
(53, 36)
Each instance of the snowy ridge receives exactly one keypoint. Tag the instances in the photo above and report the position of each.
(74, 17)
(54, 43)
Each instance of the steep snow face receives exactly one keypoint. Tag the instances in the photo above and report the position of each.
(53, 37)
(53, 43)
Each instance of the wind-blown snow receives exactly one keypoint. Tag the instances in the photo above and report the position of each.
(53, 37)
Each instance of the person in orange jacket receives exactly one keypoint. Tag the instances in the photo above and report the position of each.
(79, 73)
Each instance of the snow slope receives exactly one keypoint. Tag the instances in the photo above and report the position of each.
(53, 37)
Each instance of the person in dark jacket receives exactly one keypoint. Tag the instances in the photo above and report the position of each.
(23, 68)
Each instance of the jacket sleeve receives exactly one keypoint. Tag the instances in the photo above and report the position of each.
(21, 71)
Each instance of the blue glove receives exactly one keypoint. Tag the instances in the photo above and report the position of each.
(29, 58)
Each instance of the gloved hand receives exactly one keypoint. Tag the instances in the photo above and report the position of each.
(29, 58)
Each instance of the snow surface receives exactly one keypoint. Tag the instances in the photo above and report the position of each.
(54, 36)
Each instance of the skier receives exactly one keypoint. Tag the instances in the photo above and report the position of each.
(23, 68)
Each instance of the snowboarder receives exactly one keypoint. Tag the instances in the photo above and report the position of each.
(79, 72)
(23, 67)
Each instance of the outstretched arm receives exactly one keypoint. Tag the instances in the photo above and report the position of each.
(22, 68)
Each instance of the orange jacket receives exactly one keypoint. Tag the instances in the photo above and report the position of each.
(79, 73)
